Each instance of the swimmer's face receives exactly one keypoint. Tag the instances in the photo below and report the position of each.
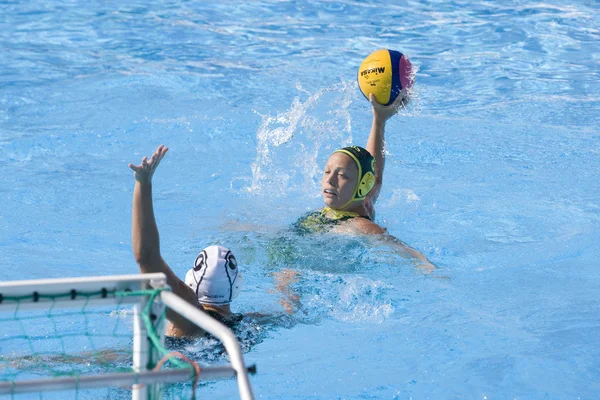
(340, 177)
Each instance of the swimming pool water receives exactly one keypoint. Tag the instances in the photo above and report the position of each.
(492, 172)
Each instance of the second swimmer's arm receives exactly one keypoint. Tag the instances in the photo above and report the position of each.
(144, 231)
(146, 242)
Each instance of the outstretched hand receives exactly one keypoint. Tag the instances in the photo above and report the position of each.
(143, 173)
(386, 112)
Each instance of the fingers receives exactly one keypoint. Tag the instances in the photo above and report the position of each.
(398, 102)
(161, 150)
(405, 96)
(136, 168)
(372, 100)
(401, 100)
(380, 108)
(158, 155)
(151, 164)
(158, 152)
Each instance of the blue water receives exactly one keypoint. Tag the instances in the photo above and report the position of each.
(492, 172)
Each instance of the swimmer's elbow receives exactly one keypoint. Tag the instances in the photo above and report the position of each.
(149, 262)
(144, 258)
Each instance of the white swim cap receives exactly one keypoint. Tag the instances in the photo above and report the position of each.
(215, 277)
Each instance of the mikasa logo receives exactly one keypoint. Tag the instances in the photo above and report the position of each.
(378, 70)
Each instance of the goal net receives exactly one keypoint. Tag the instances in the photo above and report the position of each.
(101, 337)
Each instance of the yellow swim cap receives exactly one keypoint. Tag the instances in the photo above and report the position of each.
(366, 171)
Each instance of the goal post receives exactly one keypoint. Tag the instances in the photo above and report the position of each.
(34, 304)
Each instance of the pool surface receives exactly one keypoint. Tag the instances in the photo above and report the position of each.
(492, 172)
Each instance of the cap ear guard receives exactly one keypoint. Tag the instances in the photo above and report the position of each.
(200, 261)
(365, 185)
(365, 163)
(199, 264)
(215, 277)
(368, 179)
(231, 261)
(235, 277)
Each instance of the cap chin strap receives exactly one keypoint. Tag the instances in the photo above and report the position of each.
(349, 202)
(337, 214)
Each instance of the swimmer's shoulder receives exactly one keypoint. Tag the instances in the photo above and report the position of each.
(364, 226)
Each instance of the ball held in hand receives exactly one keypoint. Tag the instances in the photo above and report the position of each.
(385, 73)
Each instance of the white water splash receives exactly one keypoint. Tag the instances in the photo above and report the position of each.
(349, 298)
(320, 122)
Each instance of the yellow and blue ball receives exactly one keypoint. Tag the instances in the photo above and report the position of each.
(385, 73)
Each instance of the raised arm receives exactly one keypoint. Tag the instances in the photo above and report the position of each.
(376, 142)
(146, 242)
(144, 232)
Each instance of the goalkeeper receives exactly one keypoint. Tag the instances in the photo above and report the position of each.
(213, 282)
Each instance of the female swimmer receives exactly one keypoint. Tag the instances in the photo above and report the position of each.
(351, 182)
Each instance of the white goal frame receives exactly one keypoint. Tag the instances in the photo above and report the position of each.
(146, 383)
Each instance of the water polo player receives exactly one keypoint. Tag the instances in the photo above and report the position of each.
(213, 282)
(351, 182)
